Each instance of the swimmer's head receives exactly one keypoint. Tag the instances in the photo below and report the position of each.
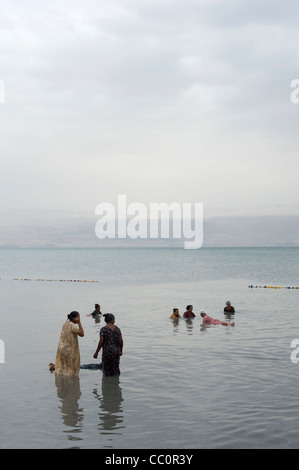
(203, 313)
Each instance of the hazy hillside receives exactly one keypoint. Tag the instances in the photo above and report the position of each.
(70, 229)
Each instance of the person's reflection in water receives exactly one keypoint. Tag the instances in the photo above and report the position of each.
(189, 324)
(68, 391)
(175, 322)
(97, 314)
(229, 316)
(111, 411)
(175, 318)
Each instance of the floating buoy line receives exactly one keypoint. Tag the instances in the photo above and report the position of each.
(87, 280)
(273, 287)
(51, 280)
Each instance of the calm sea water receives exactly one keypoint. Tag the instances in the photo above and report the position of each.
(181, 386)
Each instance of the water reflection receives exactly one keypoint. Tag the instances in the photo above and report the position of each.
(187, 321)
(68, 391)
(203, 327)
(229, 316)
(189, 324)
(111, 410)
(96, 317)
(175, 322)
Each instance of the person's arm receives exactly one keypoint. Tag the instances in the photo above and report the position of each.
(121, 345)
(80, 329)
(77, 331)
(100, 344)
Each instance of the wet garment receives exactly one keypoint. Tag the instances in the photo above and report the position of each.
(188, 314)
(96, 312)
(229, 310)
(92, 366)
(111, 350)
(68, 354)
(212, 321)
(175, 317)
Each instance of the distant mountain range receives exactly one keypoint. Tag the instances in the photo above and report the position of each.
(46, 229)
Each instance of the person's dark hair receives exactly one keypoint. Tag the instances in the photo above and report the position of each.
(72, 315)
(96, 306)
(188, 306)
(109, 317)
(175, 309)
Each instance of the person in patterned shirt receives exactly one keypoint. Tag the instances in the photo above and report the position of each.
(112, 343)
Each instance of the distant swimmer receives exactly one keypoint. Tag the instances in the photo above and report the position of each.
(97, 310)
(229, 308)
(189, 312)
(176, 314)
(206, 320)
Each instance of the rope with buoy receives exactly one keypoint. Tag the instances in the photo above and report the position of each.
(51, 280)
(272, 287)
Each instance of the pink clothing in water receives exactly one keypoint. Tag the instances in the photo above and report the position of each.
(211, 321)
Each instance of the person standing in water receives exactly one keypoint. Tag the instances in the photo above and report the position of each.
(97, 314)
(97, 310)
(229, 308)
(189, 312)
(68, 353)
(176, 314)
(112, 343)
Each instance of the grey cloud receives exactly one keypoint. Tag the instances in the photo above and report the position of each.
(123, 91)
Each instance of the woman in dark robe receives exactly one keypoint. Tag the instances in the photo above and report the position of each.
(112, 343)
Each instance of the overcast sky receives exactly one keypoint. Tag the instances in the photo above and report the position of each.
(161, 100)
